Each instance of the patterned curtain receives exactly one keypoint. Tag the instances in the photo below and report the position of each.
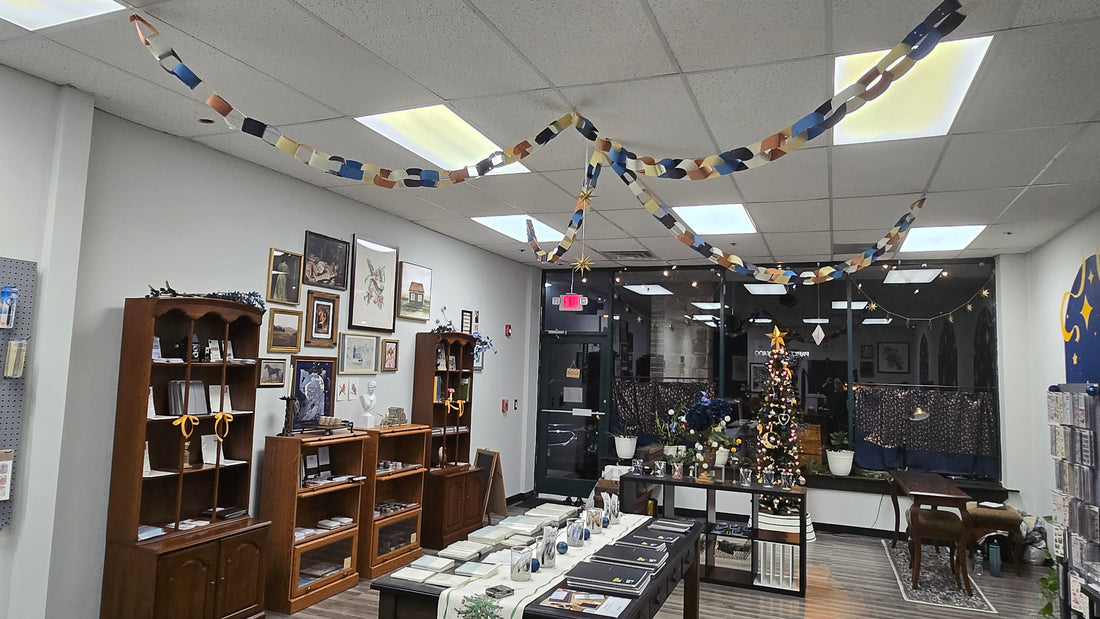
(636, 399)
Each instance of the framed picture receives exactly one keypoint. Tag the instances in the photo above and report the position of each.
(284, 277)
(358, 353)
(389, 355)
(892, 358)
(373, 295)
(866, 370)
(467, 321)
(313, 388)
(272, 373)
(866, 351)
(326, 262)
(758, 376)
(283, 330)
(479, 359)
(415, 284)
(323, 310)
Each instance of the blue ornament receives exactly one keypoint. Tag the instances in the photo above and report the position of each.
(1093, 390)
(606, 522)
(562, 548)
(534, 565)
(587, 534)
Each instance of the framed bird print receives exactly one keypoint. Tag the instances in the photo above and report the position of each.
(373, 295)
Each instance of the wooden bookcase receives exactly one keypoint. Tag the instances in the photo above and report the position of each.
(392, 538)
(304, 571)
(197, 564)
(453, 489)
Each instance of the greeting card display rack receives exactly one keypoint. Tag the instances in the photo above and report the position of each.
(1075, 539)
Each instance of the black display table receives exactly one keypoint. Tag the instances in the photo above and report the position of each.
(419, 601)
(772, 553)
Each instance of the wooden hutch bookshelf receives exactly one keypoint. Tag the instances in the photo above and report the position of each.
(453, 490)
(392, 504)
(169, 551)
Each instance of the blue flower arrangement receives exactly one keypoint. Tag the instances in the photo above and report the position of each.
(707, 419)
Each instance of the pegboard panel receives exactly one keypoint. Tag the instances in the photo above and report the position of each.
(22, 275)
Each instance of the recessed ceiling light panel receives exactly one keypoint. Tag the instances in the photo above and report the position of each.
(877, 321)
(761, 321)
(816, 321)
(716, 218)
(911, 276)
(38, 14)
(774, 289)
(922, 104)
(438, 135)
(515, 226)
(648, 289)
(856, 305)
(708, 306)
(940, 238)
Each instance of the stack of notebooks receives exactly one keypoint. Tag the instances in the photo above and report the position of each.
(672, 526)
(635, 556)
(492, 535)
(433, 564)
(660, 537)
(617, 579)
(476, 570)
(465, 550)
(415, 574)
(552, 511)
(525, 525)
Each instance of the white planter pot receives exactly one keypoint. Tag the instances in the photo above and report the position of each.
(840, 462)
(625, 446)
(721, 457)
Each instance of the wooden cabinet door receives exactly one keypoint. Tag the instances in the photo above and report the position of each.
(241, 575)
(473, 512)
(454, 495)
(186, 583)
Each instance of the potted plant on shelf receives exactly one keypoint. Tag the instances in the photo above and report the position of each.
(626, 441)
(840, 453)
(671, 430)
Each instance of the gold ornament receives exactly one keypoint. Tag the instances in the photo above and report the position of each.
(585, 198)
(985, 292)
(951, 318)
(776, 337)
(874, 306)
(969, 307)
(584, 263)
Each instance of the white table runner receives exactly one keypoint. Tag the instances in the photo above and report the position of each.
(450, 600)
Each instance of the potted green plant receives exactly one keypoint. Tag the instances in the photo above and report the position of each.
(839, 453)
(626, 441)
(671, 430)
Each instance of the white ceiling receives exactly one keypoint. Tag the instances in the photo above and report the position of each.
(664, 77)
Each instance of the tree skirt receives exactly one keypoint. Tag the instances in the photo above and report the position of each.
(937, 585)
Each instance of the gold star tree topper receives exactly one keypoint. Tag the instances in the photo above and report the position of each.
(776, 337)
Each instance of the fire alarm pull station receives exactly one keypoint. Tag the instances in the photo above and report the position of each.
(504, 406)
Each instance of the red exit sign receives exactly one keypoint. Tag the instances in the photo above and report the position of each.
(570, 302)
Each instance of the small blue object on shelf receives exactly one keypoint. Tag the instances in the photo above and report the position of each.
(606, 522)
(534, 565)
(587, 534)
(562, 548)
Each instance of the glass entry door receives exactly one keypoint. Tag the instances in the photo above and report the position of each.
(574, 400)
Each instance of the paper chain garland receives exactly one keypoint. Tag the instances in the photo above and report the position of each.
(898, 61)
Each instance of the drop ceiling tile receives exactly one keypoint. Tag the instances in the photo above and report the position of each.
(441, 44)
(864, 25)
(607, 246)
(805, 216)
(960, 208)
(527, 193)
(1034, 12)
(468, 231)
(1056, 203)
(9, 30)
(509, 119)
(404, 204)
(1004, 238)
(683, 192)
(636, 222)
(669, 248)
(248, 148)
(596, 227)
(998, 159)
(863, 238)
(116, 91)
(611, 194)
(605, 31)
(326, 66)
(897, 166)
(1080, 161)
(748, 246)
(709, 35)
(871, 213)
(743, 106)
(652, 117)
(801, 175)
(468, 201)
(808, 261)
(798, 243)
(1035, 77)
(115, 42)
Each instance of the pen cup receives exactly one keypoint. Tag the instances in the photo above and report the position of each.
(574, 532)
(594, 520)
(521, 563)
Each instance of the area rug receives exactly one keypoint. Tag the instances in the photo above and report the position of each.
(937, 586)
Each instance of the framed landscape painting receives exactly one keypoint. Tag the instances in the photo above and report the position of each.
(284, 330)
(416, 292)
(373, 295)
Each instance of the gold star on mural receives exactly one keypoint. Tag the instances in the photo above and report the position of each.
(1090, 276)
(985, 292)
(874, 306)
(969, 307)
(776, 337)
(584, 263)
(1086, 309)
(1074, 358)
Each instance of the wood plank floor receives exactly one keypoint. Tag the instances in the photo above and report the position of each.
(848, 576)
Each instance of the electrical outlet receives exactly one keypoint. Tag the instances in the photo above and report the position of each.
(515, 405)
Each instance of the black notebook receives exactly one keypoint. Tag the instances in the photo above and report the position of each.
(631, 555)
(607, 574)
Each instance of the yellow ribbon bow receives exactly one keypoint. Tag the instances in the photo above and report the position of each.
(187, 424)
(218, 419)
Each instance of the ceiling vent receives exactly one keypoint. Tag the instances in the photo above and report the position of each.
(630, 254)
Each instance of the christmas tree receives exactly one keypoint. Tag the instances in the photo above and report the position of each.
(777, 443)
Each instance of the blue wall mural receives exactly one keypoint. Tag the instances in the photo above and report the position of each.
(1080, 329)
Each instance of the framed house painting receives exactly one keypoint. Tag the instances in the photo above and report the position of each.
(283, 329)
(326, 262)
(358, 353)
(313, 387)
(389, 355)
(284, 277)
(272, 373)
(415, 284)
(892, 358)
(323, 310)
(373, 295)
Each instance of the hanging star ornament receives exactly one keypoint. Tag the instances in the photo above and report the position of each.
(776, 337)
(584, 263)
(874, 306)
(970, 307)
(951, 318)
(985, 292)
(585, 198)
